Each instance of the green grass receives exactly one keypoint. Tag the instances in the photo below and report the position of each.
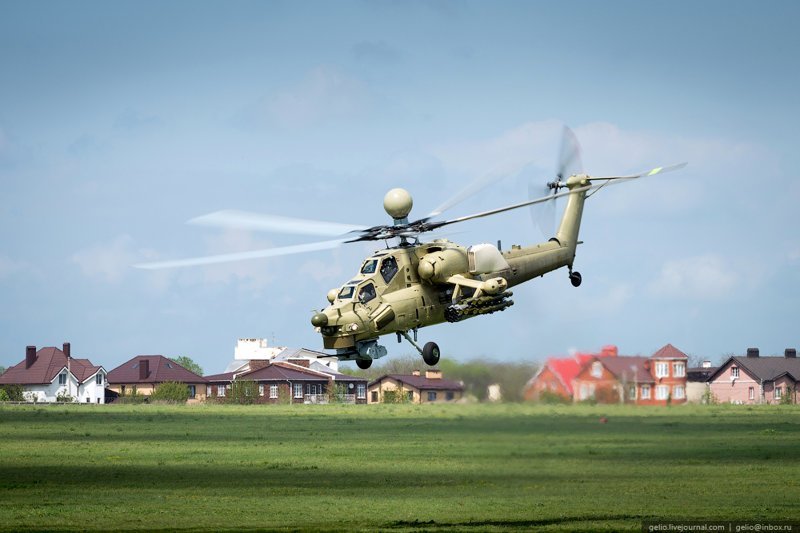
(394, 467)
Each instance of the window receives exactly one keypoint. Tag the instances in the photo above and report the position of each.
(431, 396)
(410, 396)
(347, 292)
(273, 391)
(449, 395)
(645, 392)
(88, 400)
(221, 391)
(369, 266)
(735, 372)
(62, 378)
(679, 369)
(209, 390)
(361, 391)
(662, 391)
(751, 393)
(388, 269)
(678, 393)
(778, 392)
(373, 397)
(298, 390)
(366, 293)
(192, 391)
(632, 392)
(313, 388)
(662, 370)
(99, 379)
(261, 389)
(597, 369)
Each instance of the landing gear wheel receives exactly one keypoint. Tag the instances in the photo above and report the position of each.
(364, 364)
(575, 278)
(430, 353)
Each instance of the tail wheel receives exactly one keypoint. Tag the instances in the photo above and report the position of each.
(430, 353)
(364, 364)
(576, 279)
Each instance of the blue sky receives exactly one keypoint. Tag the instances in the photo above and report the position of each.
(119, 121)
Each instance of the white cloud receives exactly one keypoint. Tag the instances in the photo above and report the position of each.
(108, 262)
(326, 92)
(705, 277)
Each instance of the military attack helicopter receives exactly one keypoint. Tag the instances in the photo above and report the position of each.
(412, 284)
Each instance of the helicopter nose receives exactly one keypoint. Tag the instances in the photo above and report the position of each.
(319, 320)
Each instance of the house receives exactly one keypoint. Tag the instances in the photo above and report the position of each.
(249, 353)
(416, 388)
(697, 382)
(656, 380)
(143, 373)
(754, 379)
(557, 374)
(50, 375)
(291, 381)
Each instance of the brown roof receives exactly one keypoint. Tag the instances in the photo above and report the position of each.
(629, 368)
(161, 369)
(282, 371)
(764, 368)
(669, 352)
(49, 362)
(421, 382)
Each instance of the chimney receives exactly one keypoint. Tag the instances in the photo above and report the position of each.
(790, 353)
(65, 349)
(415, 372)
(706, 364)
(609, 351)
(30, 356)
(433, 374)
(752, 352)
(300, 362)
(144, 369)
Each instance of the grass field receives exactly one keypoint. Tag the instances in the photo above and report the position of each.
(394, 467)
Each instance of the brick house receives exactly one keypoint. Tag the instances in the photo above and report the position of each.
(143, 373)
(754, 379)
(291, 381)
(416, 388)
(557, 374)
(656, 380)
(49, 373)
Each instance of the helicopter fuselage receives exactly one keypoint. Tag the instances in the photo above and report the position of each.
(410, 286)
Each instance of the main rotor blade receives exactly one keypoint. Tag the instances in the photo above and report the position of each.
(234, 219)
(651, 172)
(473, 188)
(616, 179)
(240, 256)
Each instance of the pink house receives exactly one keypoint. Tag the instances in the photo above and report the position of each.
(755, 379)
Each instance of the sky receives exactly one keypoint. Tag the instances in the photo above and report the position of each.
(120, 121)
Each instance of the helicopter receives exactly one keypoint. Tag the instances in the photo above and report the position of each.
(412, 284)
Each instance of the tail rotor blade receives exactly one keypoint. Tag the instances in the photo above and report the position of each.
(569, 155)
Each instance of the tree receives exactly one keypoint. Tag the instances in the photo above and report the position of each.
(14, 393)
(2, 369)
(242, 391)
(188, 364)
(170, 392)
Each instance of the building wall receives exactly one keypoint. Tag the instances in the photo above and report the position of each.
(671, 381)
(602, 387)
(392, 386)
(695, 390)
(546, 380)
(79, 391)
(726, 389)
(146, 389)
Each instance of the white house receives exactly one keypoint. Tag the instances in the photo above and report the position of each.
(50, 374)
(249, 353)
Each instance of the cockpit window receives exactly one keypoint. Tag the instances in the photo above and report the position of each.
(369, 266)
(347, 292)
(388, 269)
(366, 293)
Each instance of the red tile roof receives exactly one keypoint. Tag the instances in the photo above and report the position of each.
(161, 369)
(49, 362)
(629, 368)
